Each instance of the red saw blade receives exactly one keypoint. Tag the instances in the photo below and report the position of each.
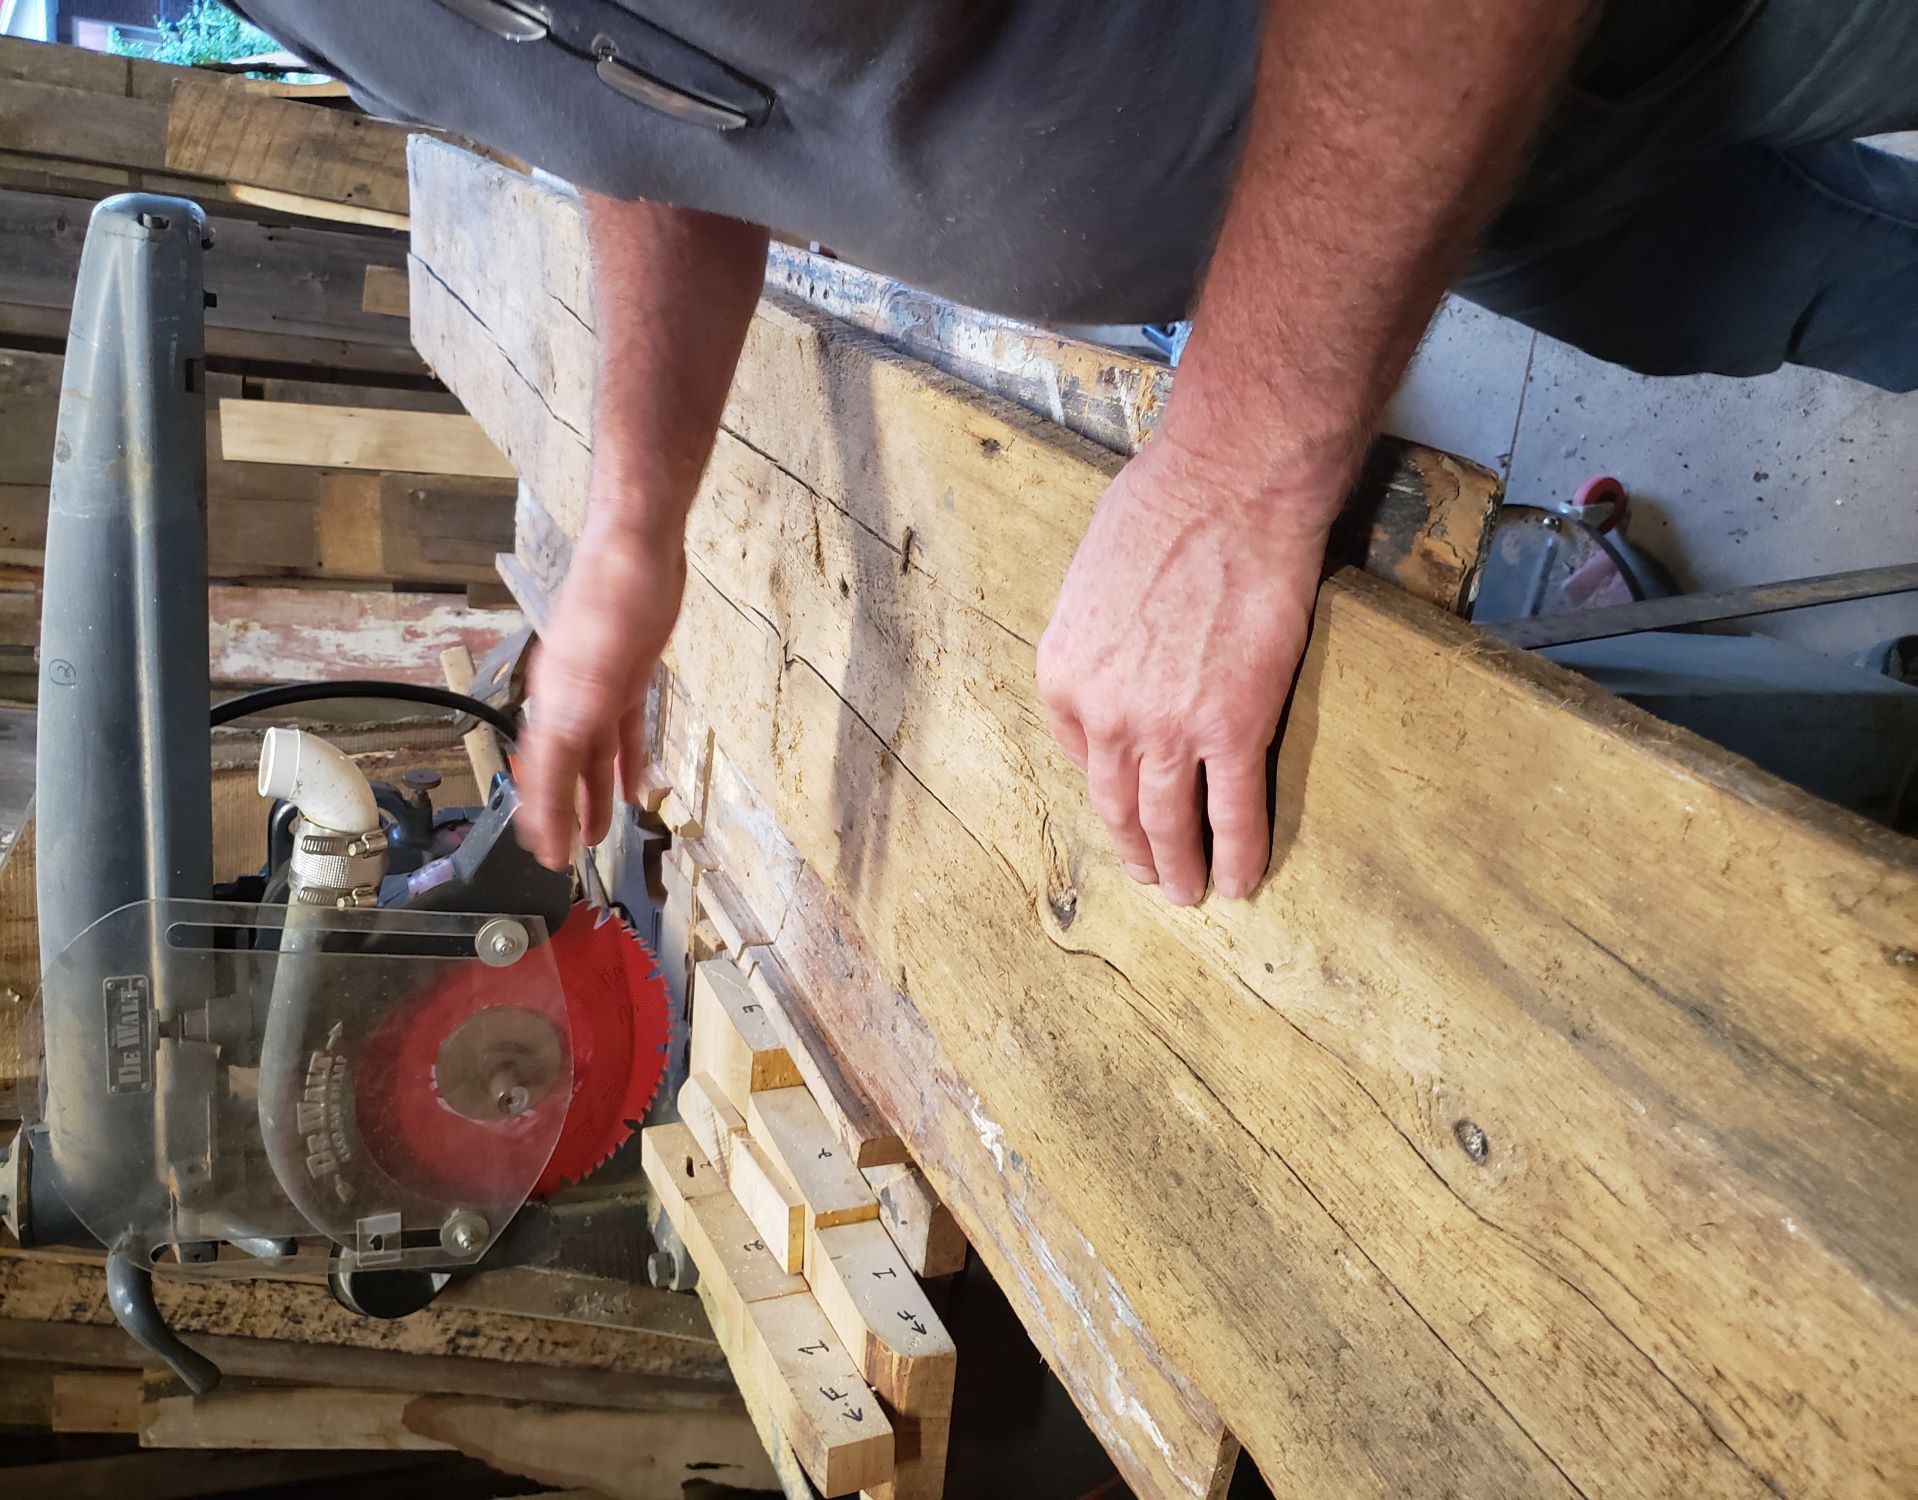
(621, 1011)
(617, 1010)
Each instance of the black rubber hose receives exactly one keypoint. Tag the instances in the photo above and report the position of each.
(267, 699)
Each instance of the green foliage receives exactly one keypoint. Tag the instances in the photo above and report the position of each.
(207, 33)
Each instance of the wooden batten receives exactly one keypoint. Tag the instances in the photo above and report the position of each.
(734, 1042)
(355, 437)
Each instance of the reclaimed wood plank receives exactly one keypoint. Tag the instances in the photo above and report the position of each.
(107, 1346)
(1495, 1153)
(285, 292)
(301, 635)
(38, 1290)
(1417, 517)
(357, 437)
(308, 151)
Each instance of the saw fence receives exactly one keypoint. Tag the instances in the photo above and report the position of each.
(1546, 1124)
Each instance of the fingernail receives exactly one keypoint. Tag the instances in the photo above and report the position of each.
(1144, 874)
(1231, 890)
(1179, 896)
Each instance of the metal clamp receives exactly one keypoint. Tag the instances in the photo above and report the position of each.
(342, 845)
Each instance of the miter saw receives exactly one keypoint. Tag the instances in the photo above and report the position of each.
(369, 1055)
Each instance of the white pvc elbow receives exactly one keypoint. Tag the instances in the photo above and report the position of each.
(327, 788)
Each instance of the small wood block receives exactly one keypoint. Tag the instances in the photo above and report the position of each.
(865, 1132)
(676, 874)
(734, 1041)
(97, 1401)
(291, 1418)
(677, 816)
(349, 521)
(793, 1481)
(782, 1351)
(879, 1310)
(921, 1226)
(709, 1219)
(384, 290)
(653, 787)
(706, 942)
(727, 910)
(798, 1137)
(919, 1446)
(770, 1200)
(705, 1110)
(838, 1430)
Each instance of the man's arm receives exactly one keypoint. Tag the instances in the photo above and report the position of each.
(673, 292)
(1384, 135)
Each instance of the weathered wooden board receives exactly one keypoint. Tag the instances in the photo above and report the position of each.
(19, 977)
(105, 1346)
(384, 291)
(262, 635)
(287, 292)
(309, 150)
(1417, 517)
(264, 519)
(356, 437)
(172, 129)
(623, 1455)
(1547, 1123)
(41, 1289)
(306, 635)
(1113, 398)
(51, 119)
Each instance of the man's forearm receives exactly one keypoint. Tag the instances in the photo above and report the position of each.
(673, 292)
(1384, 135)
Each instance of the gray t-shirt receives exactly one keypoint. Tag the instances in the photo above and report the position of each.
(1062, 159)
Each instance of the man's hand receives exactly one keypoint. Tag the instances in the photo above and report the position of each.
(1383, 134)
(586, 693)
(1170, 655)
(673, 292)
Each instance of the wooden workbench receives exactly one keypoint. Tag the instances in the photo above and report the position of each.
(1545, 1126)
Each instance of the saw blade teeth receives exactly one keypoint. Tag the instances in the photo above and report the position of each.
(596, 968)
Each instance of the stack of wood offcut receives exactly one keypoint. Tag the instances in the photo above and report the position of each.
(809, 1226)
(349, 499)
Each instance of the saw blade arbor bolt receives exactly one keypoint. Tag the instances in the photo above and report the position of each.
(512, 1096)
(463, 1233)
(500, 942)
